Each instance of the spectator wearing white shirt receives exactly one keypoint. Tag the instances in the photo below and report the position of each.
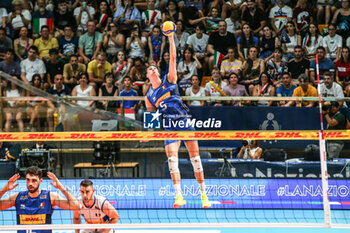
(329, 88)
(32, 65)
(333, 43)
(20, 17)
(195, 90)
(187, 68)
(280, 15)
(312, 41)
(82, 15)
(198, 41)
(150, 18)
(135, 44)
(3, 17)
(210, 90)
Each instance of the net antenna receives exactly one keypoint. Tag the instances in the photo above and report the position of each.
(323, 156)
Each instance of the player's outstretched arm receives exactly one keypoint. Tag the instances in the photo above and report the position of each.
(111, 212)
(172, 75)
(9, 201)
(71, 203)
(76, 219)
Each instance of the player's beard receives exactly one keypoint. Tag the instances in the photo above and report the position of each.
(33, 189)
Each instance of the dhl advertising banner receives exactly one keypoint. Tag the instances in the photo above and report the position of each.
(223, 193)
(180, 135)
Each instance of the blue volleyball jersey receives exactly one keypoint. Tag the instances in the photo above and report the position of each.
(33, 211)
(166, 99)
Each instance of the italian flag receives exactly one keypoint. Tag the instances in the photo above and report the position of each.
(150, 18)
(127, 113)
(218, 58)
(39, 22)
(103, 17)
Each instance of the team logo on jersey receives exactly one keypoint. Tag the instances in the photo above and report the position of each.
(42, 205)
(22, 206)
(151, 120)
(23, 197)
(43, 197)
(163, 87)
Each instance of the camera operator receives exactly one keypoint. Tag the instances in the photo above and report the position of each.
(250, 150)
(335, 120)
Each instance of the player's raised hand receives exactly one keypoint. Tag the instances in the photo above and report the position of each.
(56, 183)
(11, 182)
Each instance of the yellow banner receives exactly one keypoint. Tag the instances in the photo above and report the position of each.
(180, 135)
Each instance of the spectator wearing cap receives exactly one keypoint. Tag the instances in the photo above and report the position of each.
(32, 65)
(305, 89)
(42, 17)
(97, 69)
(254, 16)
(5, 43)
(71, 71)
(53, 67)
(20, 17)
(325, 64)
(45, 43)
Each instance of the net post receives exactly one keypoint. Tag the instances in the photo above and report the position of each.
(323, 158)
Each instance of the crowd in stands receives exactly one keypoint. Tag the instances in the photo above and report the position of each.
(103, 47)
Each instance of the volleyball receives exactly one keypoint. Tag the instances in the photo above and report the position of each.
(168, 28)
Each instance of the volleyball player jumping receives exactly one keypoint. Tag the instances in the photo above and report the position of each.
(163, 97)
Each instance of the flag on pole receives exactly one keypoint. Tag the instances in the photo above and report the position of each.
(39, 22)
(103, 17)
(218, 58)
